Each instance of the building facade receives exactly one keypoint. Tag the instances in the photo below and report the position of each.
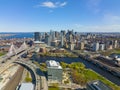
(54, 71)
(95, 46)
(36, 36)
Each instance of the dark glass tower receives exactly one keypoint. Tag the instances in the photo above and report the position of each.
(36, 36)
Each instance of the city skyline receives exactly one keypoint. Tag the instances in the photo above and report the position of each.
(44, 15)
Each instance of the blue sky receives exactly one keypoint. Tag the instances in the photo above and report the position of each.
(44, 15)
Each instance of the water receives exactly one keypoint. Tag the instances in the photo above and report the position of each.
(89, 65)
(4, 46)
(22, 35)
(19, 35)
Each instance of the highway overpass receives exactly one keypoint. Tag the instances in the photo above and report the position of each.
(40, 80)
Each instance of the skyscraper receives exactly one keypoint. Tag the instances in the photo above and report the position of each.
(96, 46)
(36, 36)
(62, 38)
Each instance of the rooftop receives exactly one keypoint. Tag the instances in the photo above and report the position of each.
(38, 42)
(53, 64)
(26, 86)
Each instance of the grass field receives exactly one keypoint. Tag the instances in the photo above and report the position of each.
(1, 53)
(91, 75)
(53, 88)
(108, 52)
(82, 76)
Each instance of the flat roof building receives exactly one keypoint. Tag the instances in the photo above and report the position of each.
(54, 71)
(26, 86)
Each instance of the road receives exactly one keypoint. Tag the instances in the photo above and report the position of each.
(9, 62)
(41, 82)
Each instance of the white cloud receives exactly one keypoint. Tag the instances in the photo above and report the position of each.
(63, 4)
(50, 4)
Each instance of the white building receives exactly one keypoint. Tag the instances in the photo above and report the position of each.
(54, 71)
(96, 46)
(102, 47)
(26, 86)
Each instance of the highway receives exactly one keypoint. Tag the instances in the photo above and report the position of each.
(41, 82)
(9, 62)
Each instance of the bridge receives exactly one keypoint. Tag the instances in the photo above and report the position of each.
(12, 56)
(16, 52)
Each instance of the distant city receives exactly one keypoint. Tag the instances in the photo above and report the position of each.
(64, 60)
(59, 44)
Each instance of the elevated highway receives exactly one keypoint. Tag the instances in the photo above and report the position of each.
(40, 80)
(14, 55)
(6, 63)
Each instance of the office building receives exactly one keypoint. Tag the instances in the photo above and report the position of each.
(72, 46)
(102, 47)
(115, 44)
(52, 35)
(36, 36)
(62, 39)
(70, 38)
(54, 71)
(48, 40)
(97, 85)
(64, 32)
(81, 45)
(54, 43)
(96, 46)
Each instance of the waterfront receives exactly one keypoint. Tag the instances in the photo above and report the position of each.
(17, 35)
(89, 65)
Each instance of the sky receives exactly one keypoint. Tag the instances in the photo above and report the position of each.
(46, 15)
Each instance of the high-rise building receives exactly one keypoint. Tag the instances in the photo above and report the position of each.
(62, 39)
(71, 38)
(54, 71)
(96, 46)
(52, 34)
(64, 32)
(36, 36)
(102, 47)
(48, 40)
(81, 45)
(56, 34)
(115, 44)
(72, 46)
